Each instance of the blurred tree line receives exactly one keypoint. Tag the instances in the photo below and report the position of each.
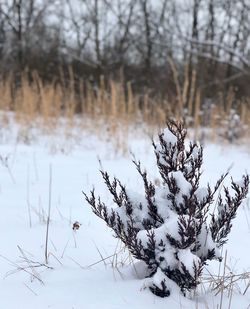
(159, 46)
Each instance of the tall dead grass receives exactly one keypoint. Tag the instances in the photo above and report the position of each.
(116, 107)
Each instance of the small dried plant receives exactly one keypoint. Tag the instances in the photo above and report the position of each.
(168, 226)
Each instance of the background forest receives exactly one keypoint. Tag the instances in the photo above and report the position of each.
(163, 58)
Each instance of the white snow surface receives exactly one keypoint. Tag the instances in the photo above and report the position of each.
(87, 267)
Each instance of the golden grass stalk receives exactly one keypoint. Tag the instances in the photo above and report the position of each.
(113, 106)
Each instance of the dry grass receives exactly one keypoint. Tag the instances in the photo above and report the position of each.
(116, 106)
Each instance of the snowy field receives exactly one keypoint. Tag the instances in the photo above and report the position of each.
(88, 268)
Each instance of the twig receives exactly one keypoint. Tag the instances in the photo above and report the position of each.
(28, 195)
(30, 289)
(5, 163)
(102, 259)
(35, 166)
(48, 218)
(30, 264)
(77, 263)
(56, 258)
(20, 268)
(64, 249)
(247, 287)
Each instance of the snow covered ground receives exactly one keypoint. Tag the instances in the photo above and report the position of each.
(88, 268)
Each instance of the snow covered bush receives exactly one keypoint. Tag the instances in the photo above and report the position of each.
(234, 129)
(170, 227)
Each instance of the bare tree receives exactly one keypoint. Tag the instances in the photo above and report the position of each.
(79, 22)
(23, 21)
(99, 37)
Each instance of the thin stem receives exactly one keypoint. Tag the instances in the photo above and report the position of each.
(48, 218)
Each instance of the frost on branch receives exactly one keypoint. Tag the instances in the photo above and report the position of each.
(169, 226)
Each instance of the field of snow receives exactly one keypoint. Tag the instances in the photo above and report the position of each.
(88, 268)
